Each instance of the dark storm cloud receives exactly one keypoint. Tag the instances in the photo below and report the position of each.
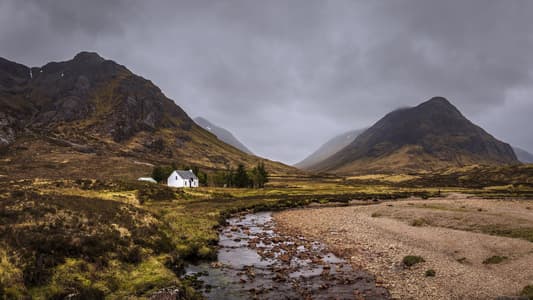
(284, 76)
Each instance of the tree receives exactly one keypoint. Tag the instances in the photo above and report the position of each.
(160, 173)
(194, 169)
(240, 178)
(263, 174)
(218, 178)
(230, 176)
(202, 177)
(259, 176)
(157, 173)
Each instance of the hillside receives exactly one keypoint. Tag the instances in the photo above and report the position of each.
(222, 134)
(91, 117)
(329, 148)
(430, 136)
(523, 155)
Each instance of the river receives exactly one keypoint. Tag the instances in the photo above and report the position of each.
(255, 261)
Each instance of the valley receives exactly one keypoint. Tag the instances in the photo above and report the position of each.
(424, 204)
(153, 232)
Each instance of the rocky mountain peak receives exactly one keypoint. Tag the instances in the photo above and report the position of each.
(438, 105)
(12, 73)
(85, 56)
(437, 100)
(431, 135)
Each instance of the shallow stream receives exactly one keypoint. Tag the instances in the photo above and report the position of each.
(255, 261)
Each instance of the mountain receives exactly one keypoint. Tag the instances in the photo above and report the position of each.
(222, 134)
(329, 148)
(91, 117)
(430, 136)
(523, 155)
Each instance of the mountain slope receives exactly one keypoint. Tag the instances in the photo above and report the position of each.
(222, 134)
(523, 155)
(329, 148)
(91, 117)
(430, 136)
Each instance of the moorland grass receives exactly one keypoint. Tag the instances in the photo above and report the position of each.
(524, 233)
(130, 238)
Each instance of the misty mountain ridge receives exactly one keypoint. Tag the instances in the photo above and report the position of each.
(340, 141)
(523, 155)
(222, 134)
(329, 148)
(430, 136)
(92, 110)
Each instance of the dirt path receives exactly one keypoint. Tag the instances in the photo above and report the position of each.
(376, 238)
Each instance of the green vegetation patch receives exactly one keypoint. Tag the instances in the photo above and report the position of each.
(528, 292)
(442, 207)
(411, 260)
(420, 222)
(512, 180)
(496, 259)
(76, 237)
(524, 233)
(430, 273)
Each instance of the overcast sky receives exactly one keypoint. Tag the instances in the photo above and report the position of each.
(285, 76)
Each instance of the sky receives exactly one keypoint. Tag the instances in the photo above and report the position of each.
(285, 76)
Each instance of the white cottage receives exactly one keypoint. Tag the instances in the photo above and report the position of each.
(180, 178)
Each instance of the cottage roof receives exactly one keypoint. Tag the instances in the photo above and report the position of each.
(186, 174)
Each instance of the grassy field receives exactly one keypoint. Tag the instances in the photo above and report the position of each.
(114, 239)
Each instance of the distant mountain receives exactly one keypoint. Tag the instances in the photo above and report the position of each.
(430, 136)
(523, 155)
(222, 134)
(329, 148)
(91, 117)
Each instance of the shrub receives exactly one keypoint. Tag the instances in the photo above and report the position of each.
(151, 192)
(241, 178)
(204, 252)
(496, 259)
(430, 273)
(87, 230)
(375, 215)
(411, 260)
(133, 255)
(528, 292)
(419, 222)
(160, 173)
